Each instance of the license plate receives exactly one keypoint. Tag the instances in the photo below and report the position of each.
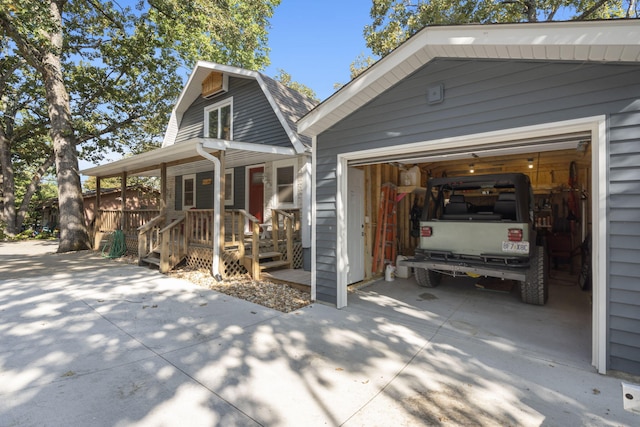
(516, 247)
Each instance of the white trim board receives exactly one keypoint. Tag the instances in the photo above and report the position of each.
(595, 125)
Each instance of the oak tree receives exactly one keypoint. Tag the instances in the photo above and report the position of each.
(109, 73)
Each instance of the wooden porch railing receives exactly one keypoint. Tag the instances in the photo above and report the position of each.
(195, 227)
(111, 219)
(279, 216)
(148, 236)
(199, 225)
(252, 261)
(173, 244)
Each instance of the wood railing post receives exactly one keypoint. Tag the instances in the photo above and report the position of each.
(275, 230)
(165, 252)
(142, 246)
(239, 221)
(255, 251)
(289, 231)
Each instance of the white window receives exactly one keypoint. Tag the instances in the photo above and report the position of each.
(284, 183)
(188, 192)
(218, 120)
(228, 187)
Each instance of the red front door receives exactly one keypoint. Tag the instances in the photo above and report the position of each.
(256, 192)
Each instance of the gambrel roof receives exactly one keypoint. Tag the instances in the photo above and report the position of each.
(288, 104)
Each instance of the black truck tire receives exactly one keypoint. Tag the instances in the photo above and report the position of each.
(535, 288)
(427, 278)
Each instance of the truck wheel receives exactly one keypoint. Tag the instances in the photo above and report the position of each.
(535, 288)
(427, 278)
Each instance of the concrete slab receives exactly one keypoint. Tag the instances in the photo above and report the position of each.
(93, 342)
(149, 392)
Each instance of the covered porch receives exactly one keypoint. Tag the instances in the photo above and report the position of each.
(227, 241)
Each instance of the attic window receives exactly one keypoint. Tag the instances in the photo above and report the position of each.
(214, 84)
(218, 120)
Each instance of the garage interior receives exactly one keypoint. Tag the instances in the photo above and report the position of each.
(560, 172)
(562, 198)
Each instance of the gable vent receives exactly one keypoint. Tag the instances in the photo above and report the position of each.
(214, 84)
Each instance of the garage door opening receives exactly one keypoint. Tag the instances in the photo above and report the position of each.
(564, 178)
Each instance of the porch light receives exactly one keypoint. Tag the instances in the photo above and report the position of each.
(530, 160)
(471, 168)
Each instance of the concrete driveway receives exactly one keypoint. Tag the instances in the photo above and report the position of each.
(87, 341)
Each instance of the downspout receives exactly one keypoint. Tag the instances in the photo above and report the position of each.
(215, 263)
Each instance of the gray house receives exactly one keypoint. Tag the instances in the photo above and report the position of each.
(451, 97)
(235, 178)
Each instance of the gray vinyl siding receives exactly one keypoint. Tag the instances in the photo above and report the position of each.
(239, 191)
(253, 117)
(624, 237)
(204, 192)
(487, 95)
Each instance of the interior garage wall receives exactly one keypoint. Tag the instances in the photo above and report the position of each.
(483, 96)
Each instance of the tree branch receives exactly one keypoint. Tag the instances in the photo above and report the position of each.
(597, 5)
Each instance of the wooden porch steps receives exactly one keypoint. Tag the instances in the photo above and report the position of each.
(273, 264)
(267, 261)
(264, 255)
(153, 259)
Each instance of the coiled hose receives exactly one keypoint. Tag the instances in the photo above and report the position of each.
(116, 244)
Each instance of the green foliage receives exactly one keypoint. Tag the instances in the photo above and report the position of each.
(360, 65)
(116, 182)
(285, 78)
(115, 70)
(396, 20)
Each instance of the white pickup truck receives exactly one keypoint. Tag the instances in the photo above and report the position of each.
(494, 237)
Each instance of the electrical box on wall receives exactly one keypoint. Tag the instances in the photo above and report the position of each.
(435, 93)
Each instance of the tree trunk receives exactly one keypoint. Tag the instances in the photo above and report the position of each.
(73, 230)
(8, 193)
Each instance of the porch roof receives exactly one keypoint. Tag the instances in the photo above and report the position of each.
(584, 41)
(149, 163)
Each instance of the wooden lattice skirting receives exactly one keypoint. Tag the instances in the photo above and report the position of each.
(200, 258)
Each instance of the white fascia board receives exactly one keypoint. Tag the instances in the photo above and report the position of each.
(613, 41)
(145, 160)
(172, 129)
(223, 144)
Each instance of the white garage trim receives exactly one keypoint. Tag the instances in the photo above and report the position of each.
(314, 233)
(600, 190)
(595, 125)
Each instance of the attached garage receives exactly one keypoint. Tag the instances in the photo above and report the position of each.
(455, 97)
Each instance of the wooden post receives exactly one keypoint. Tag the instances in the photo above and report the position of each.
(123, 196)
(289, 233)
(142, 246)
(240, 224)
(97, 217)
(164, 251)
(255, 251)
(275, 230)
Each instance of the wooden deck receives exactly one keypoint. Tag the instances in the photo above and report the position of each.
(298, 278)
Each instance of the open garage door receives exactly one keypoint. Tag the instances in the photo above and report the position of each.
(562, 164)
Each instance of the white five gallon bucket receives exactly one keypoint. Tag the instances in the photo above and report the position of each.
(388, 273)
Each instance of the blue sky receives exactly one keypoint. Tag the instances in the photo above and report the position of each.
(315, 41)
